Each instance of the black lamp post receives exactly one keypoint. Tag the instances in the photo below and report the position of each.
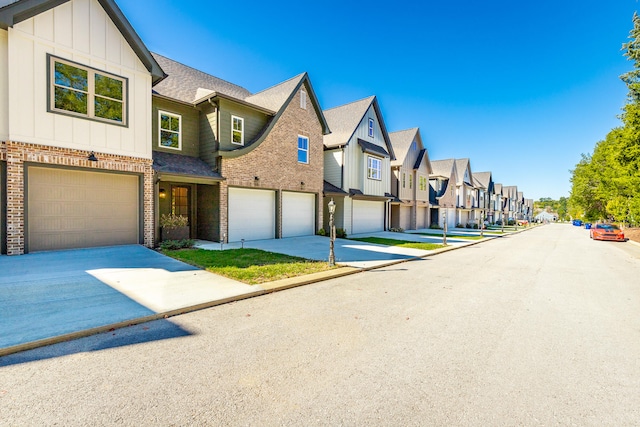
(332, 233)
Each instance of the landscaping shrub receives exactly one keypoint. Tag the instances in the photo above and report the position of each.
(397, 230)
(341, 233)
(435, 226)
(322, 232)
(170, 245)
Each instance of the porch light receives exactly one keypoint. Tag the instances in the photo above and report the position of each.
(162, 193)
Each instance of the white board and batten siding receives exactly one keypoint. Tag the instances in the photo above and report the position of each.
(355, 170)
(251, 214)
(298, 214)
(79, 31)
(4, 86)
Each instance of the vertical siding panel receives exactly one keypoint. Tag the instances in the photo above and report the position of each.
(98, 30)
(332, 167)
(113, 45)
(81, 21)
(4, 86)
(43, 25)
(63, 24)
(21, 76)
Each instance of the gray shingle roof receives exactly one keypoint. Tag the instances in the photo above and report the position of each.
(401, 142)
(331, 189)
(461, 166)
(371, 148)
(344, 120)
(182, 165)
(183, 82)
(442, 168)
(4, 3)
(483, 178)
(274, 97)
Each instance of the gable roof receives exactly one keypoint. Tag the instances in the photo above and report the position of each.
(345, 119)
(401, 141)
(510, 191)
(497, 189)
(484, 179)
(442, 168)
(15, 11)
(461, 166)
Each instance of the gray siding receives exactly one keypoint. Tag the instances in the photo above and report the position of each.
(208, 135)
(254, 122)
(333, 167)
(189, 122)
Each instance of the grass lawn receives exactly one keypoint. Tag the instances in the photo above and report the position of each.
(457, 236)
(400, 243)
(251, 266)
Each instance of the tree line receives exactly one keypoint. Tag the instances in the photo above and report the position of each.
(605, 185)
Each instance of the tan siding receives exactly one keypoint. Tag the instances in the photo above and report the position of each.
(190, 126)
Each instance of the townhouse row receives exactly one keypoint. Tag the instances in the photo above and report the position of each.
(99, 138)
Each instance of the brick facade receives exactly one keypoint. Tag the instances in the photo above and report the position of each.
(17, 154)
(275, 162)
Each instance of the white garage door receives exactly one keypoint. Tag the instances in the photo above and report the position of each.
(252, 214)
(368, 216)
(421, 218)
(78, 209)
(298, 214)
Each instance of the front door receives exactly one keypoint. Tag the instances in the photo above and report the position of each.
(180, 201)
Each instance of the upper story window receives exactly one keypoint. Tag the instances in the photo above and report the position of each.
(237, 130)
(303, 149)
(374, 168)
(371, 128)
(410, 181)
(303, 99)
(404, 178)
(170, 133)
(413, 146)
(422, 184)
(83, 91)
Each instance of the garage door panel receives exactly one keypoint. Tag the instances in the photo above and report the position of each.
(421, 221)
(74, 209)
(252, 214)
(368, 216)
(298, 214)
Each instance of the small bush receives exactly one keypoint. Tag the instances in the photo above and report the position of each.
(511, 222)
(173, 221)
(435, 226)
(459, 225)
(397, 230)
(341, 233)
(322, 232)
(475, 226)
(469, 225)
(170, 245)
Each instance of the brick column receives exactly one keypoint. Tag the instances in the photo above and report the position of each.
(148, 206)
(15, 200)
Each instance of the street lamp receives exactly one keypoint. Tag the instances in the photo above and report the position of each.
(481, 224)
(444, 227)
(332, 233)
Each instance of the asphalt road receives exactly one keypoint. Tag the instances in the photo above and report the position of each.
(538, 328)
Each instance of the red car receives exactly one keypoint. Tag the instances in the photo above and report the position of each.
(606, 232)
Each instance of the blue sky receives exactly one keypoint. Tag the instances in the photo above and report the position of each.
(521, 88)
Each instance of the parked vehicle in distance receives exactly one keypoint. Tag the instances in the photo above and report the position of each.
(606, 232)
(587, 225)
(577, 222)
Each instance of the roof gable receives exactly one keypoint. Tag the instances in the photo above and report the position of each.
(345, 120)
(443, 168)
(402, 141)
(13, 12)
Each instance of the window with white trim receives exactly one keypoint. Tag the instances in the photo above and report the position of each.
(404, 179)
(371, 128)
(303, 149)
(303, 99)
(83, 91)
(237, 130)
(374, 168)
(170, 132)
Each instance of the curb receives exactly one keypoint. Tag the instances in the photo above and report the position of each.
(263, 289)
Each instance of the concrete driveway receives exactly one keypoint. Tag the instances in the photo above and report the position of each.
(50, 294)
(348, 252)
